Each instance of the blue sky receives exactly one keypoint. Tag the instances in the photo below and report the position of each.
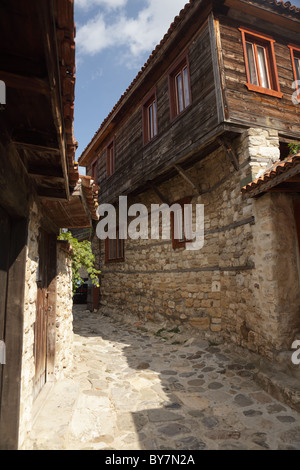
(113, 41)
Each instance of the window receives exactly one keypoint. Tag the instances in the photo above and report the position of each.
(114, 249)
(150, 118)
(179, 87)
(110, 162)
(179, 224)
(95, 171)
(261, 69)
(295, 55)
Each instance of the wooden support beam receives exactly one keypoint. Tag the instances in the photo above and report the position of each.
(159, 194)
(41, 172)
(49, 194)
(285, 188)
(35, 147)
(21, 82)
(187, 178)
(231, 153)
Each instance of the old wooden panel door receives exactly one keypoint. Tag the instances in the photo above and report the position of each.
(40, 331)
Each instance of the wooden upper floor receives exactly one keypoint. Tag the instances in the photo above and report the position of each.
(222, 67)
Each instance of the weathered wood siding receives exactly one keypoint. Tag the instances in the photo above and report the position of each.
(136, 163)
(251, 108)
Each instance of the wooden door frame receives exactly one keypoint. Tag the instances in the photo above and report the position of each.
(14, 327)
(48, 251)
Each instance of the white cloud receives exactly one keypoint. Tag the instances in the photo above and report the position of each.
(111, 4)
(139, 34)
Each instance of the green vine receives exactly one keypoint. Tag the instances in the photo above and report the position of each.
(82, 256)
(294, 148)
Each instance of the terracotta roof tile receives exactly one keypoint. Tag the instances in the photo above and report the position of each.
(275, 170)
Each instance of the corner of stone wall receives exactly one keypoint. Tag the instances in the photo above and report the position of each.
(64, 315)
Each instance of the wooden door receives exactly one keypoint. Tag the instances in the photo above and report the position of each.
(5, 229)
(40, 331)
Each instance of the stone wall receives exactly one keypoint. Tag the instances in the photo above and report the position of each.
(64, 316)
(28, 364)
(64, 331)
(221, 288)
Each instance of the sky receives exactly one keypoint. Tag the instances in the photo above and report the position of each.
(114, 39)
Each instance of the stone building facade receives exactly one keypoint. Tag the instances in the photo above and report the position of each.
(232, 286)
(227, 130)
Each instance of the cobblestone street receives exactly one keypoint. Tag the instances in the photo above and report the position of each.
(132, 388)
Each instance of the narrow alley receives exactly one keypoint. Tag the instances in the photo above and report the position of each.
(132, 388)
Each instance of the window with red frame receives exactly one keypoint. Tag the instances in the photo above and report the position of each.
(260, 62)
(110, 160)
(295, 55)
(150, 119)
(179, 87)
(114, 249)
(179, 224)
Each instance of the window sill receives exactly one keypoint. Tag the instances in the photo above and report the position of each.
(145, 144)
(111, 261)
(265, 91)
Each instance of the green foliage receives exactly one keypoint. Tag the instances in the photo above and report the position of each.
(82, 257)
(294, 148)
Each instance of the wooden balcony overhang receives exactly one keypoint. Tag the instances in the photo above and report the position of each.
(37, 50)
(80, 210)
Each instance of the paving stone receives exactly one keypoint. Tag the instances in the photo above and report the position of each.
(173, 429)
(286, 419)
(215, 385)
(190, 443)
(252, 413)
(210, 422)
(275, 408)
(143, 365)
(196, 382)
(131, 391)
(161, 415)
(242, 400)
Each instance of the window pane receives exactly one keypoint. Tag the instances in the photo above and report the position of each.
(154, 118)
(150, 124)
(297, 67)
(263, 71)
(179, 93)
(186, 87)
(251, 63)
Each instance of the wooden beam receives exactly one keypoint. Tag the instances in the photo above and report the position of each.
(48, 172)
(159, 194)
(231, 153)
(52, 194)
(187, 178)
(286, 188)
(21, 82)
(294, 179)
(47, 20)
(35, 147)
